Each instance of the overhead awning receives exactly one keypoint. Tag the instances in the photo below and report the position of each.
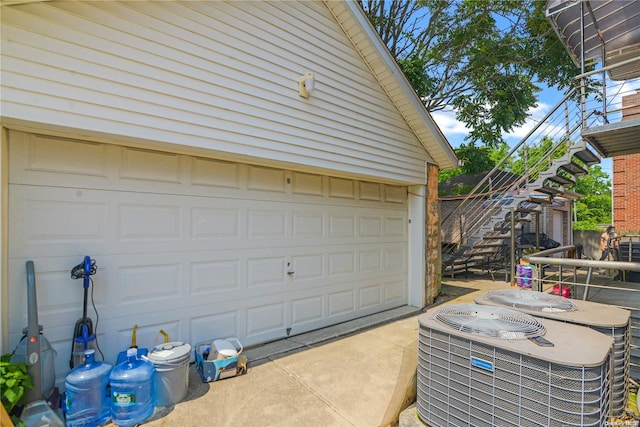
(611, 32)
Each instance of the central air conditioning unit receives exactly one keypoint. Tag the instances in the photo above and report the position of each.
(609, 320)
(481, 366)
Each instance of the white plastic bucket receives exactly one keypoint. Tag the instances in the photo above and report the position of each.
(171, 362)
(225, 347)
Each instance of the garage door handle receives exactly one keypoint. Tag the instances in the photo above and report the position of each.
(290, 273)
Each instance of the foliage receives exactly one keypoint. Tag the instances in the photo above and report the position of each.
(483, 58)
(475, 160)
(586, 226)
(529, 156)
(448, 174)
(595, 207)
(597, 182)
(14, 382)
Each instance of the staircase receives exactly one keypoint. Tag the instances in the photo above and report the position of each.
(482, 222)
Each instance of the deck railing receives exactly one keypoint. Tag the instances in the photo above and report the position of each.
(569, 272)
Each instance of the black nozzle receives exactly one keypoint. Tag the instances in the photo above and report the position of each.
(85, 269)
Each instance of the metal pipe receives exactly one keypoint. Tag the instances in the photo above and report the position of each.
(586, 284)
(606, 68)
(541, 258)
(583, 95)
(513, 245)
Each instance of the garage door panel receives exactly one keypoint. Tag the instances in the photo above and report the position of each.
(370, 191)
(155, 166)
(342, 188)
(143, 284)
(308, 225)
(342, 225)
(370, 296)
(38, 221)
(341, 302)
(218, 325)
(216, 173)
(264, 223)
(395, 258)
(215, 276)
(308, 266)
(215, 223)
(198, 247)
(371, 226)
(394, 291)
(45, 156)
(394, 225)
(266, 179)
(307, 310)
(307, 184)
(266, 320)
(267, 271)
(149, 222)
(395, 194)
(82, 164)
(55, 216)
(342, 263)
(370, 260)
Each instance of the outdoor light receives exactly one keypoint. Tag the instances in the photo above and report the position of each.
(306, 85)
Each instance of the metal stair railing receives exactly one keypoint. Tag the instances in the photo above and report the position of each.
(530, 182)
(476, 214)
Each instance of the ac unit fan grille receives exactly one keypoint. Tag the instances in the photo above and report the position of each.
(518, 390)
(489, 321)
(531, 301)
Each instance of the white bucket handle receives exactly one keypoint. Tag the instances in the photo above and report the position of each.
(238, 342)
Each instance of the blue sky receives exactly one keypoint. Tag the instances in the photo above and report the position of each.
(455, 131)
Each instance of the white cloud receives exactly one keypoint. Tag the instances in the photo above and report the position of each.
(455, 131)
(447, 122)
(534, 114)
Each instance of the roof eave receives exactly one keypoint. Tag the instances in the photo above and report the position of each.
(355, 23)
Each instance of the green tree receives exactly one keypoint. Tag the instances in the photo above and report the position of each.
(483, 58)
(529, 156)
(474, 159)
(595, 207)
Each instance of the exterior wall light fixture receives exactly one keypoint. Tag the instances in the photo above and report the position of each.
(306, 84)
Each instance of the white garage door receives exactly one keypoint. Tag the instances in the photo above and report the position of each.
(197, 247)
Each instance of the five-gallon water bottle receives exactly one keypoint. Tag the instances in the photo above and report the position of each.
(87, 398)
(132, 401)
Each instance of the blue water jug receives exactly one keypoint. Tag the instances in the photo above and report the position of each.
(132, 400)
(87, 398)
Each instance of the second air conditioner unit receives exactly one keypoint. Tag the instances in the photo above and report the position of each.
(609, 320)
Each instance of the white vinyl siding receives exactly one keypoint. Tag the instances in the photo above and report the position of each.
(219, 76)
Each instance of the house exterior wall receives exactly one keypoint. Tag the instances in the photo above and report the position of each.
(626, 179)
(203, 77)
(557, 230)
(217, 80)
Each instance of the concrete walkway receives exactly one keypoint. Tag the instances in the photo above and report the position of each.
(360, 373)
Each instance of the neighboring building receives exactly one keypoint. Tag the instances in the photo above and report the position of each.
(220, 197)
(626, 178)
